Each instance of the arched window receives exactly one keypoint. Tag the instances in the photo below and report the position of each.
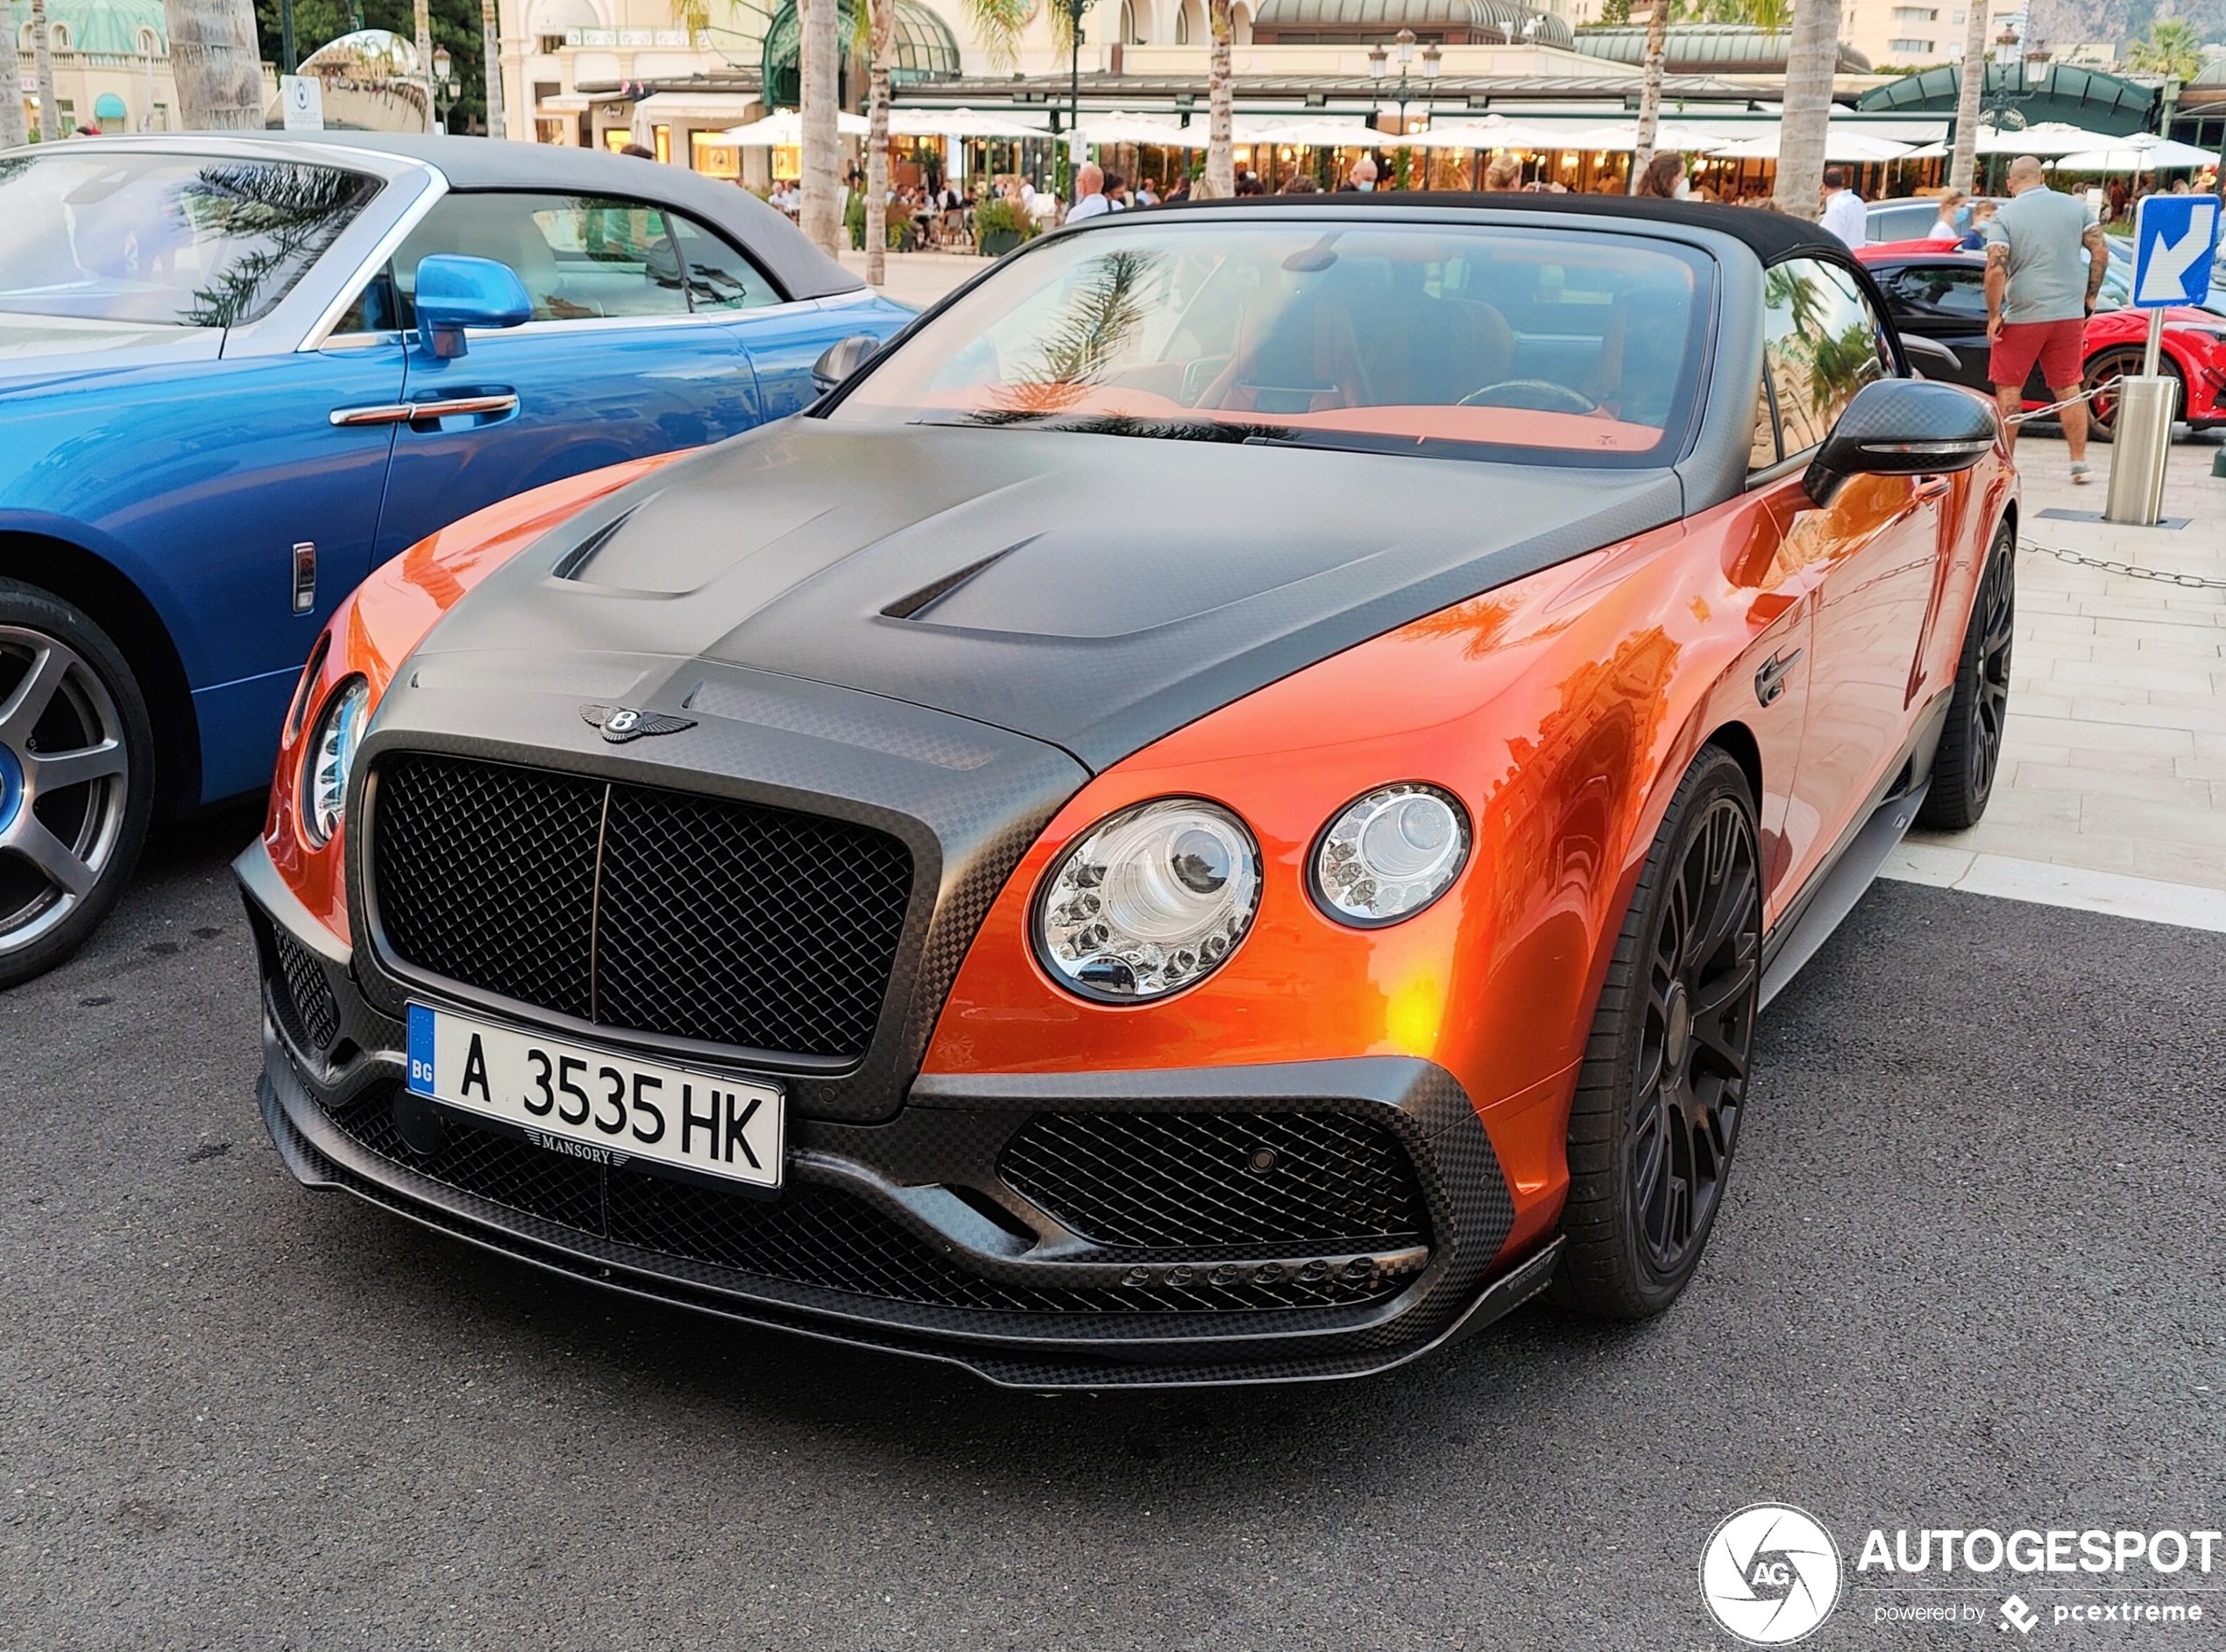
(60, 36)
(146, 43)
(1131, 27)
(1190, 24)
(1240, 25)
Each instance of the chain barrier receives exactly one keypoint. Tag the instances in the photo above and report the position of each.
(2106, 564)
(2088, 394)
(2131, 571)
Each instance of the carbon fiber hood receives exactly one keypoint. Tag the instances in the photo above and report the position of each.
(1092, 592)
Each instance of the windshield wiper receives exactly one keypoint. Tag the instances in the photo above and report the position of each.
(1165, 430)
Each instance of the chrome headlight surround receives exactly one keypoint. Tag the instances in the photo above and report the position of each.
(330, 757)
(1151, 899)
(1389, 854)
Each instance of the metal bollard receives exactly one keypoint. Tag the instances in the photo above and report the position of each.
(2141, 443)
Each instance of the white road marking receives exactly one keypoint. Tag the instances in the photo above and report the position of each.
(2114, 893)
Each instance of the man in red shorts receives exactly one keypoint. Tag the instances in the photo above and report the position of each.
(2046, 261)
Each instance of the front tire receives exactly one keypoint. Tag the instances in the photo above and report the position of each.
(1664, 1079)
(77, 779)
(1970, 753)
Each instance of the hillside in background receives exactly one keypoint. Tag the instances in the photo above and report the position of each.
(2063, 22)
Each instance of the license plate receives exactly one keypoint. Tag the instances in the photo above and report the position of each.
(596, 1104)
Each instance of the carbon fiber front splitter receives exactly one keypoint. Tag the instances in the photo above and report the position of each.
(914, 1260)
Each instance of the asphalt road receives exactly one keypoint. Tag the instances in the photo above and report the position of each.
(1970, 1274)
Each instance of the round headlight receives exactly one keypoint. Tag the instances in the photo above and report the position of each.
(332, 754)
(1389, 854)
(1152, 898)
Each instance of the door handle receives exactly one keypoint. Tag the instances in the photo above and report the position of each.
(1770, 679)
(403, 412)
(1927, 486)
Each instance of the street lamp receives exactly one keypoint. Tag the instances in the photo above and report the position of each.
(1403, 48)
(1074, 8)
(444, 87)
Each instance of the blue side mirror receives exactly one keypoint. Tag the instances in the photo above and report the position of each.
(455, 291)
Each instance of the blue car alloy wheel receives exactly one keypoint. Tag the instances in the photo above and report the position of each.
(75, 779)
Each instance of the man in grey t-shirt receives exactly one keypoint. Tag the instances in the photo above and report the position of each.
(2046, 261)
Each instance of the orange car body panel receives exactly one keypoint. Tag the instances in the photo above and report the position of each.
(1562, 709)
(374, 629)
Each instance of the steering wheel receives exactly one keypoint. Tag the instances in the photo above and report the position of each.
(1538, 396)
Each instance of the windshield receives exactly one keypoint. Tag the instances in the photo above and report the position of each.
(1561, 346)
(164, 240)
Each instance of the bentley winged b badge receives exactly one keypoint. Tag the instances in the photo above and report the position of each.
(622, 723)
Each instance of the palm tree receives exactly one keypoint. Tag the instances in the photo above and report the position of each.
(2174, 48)
(215, 61)
(42, 59)
(1651, 90)
(1810, 61)
(491, 58)
(1970, 88)
(881, 28)
(820, 51)
(425, 57)
(1220, 181)
(1001, 24)
(11, 131)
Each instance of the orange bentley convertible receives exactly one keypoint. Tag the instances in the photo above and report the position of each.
(1223, 810)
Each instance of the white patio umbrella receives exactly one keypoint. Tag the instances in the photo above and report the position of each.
(785, 129)
(1324, 133)
(1490, 132)
(963, 123)
(2050, 138)
(1841, 148)
(1121, 128)
(2140, 151)
(1622, 136)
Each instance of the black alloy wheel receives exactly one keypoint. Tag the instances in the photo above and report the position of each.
(2102, 405)
(77, 779)
(1970, 751)
(1663, 1085)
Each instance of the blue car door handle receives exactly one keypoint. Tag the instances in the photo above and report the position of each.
(404, 412)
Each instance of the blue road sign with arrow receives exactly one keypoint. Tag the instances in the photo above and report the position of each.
(2174, 238)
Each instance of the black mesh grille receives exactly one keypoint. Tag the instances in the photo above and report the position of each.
(1195, 1179)
(716, 920)
(789, 922)
(485, 873)
(811, 1235)
(304, 996)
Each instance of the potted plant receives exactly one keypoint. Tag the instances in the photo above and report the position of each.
(999, 226)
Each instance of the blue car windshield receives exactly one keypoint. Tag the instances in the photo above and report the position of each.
(164, 240)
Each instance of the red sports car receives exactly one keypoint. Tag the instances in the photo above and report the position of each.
(1939, 297)
(1224, 810)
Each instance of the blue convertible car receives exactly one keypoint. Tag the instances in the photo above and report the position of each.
(238, 372)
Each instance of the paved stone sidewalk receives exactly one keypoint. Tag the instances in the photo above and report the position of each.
(918, 279)
(2115, 758)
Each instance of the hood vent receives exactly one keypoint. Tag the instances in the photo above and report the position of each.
(928, 595)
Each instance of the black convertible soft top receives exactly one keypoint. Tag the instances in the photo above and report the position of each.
(1772, 236)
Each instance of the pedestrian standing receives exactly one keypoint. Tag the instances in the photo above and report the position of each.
(1665, 174)
(1947, 228)
(1843, 209)
(1090, 193)
(2045, 261)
